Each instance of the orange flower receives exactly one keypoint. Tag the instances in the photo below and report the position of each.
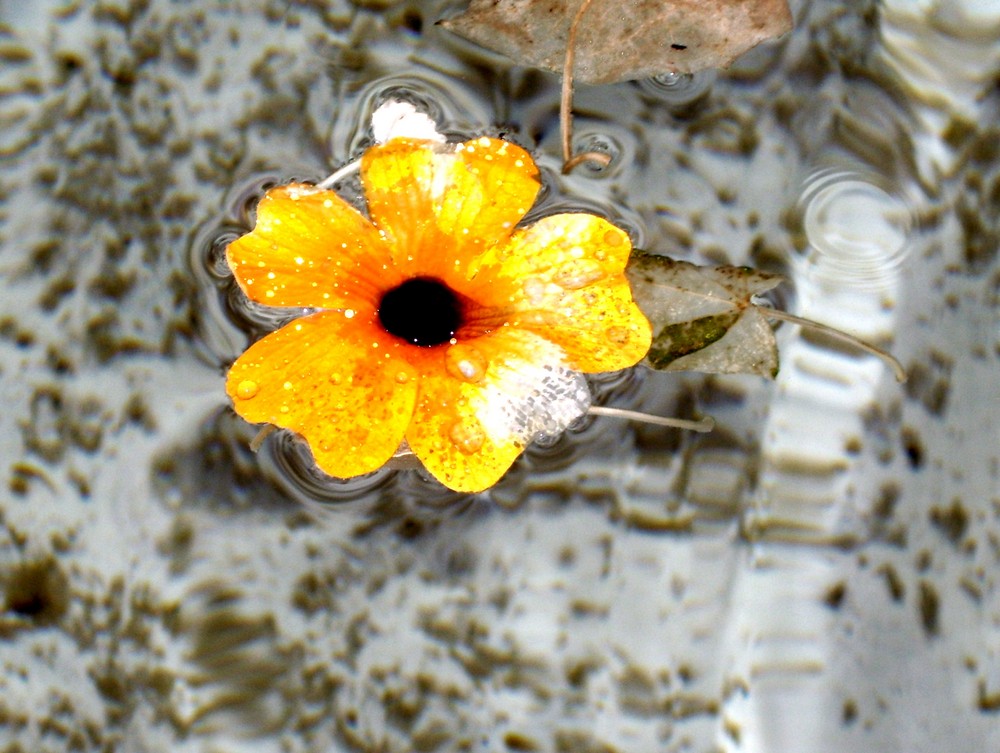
(438, 322)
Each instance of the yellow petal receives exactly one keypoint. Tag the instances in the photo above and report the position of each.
(563, 277)
(339, 382)
(482, 400)
(443, 205)
(310, 248)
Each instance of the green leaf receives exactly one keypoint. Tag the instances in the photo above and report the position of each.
(677, 340)
(703, 317)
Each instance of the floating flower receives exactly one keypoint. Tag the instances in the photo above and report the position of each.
(438, 323)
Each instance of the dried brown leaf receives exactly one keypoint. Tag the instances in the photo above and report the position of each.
(619, 40)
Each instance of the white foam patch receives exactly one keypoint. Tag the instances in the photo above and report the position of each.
(395, 119)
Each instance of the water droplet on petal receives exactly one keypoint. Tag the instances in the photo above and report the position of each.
(247, 389)
(467, 435)
(335, 378)
(283, 409)
(578, 274)
(402, 377)
(534, 290)
(618, 335)
(613, 238)
(465, 362)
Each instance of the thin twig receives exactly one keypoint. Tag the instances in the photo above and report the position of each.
(348, 169)
(566, 104)
(263, 434)
(599, 157)
(703, 425)
(857, 342)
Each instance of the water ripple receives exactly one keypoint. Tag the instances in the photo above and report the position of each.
(858, 231)
(287, 459)
(678, 90)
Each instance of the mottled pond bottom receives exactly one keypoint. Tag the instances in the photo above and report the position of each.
(818, 574)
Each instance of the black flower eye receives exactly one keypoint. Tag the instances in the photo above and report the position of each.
(422, 311)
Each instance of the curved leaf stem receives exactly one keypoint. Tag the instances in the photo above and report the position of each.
(566, 104)
(703, 425)
(857, 342)
(263, 434)
(332, 180)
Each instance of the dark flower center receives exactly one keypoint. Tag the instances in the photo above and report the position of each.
(422, 311)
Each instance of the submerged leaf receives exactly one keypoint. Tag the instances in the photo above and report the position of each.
(703, 318)
(619, 40)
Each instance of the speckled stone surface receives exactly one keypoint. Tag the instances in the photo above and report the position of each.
(818, 574)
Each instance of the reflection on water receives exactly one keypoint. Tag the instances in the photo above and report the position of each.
(818, 574)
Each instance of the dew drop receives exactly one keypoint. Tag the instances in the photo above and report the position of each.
(402, 377)
(467, 435)
(465, 362)
(283, 409)
(534, 290)
(247, 389)
(335, 378)
(613, 238)
(618, 335)
(578, 274)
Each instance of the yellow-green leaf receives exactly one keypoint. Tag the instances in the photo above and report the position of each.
(703, 317)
